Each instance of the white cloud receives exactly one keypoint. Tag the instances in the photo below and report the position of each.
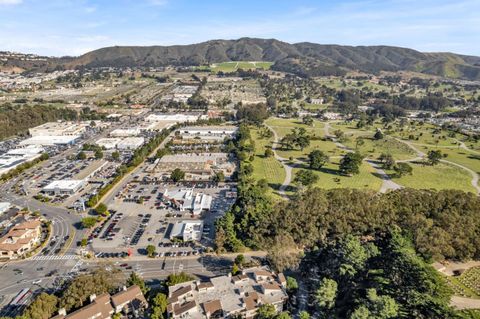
(10, 2)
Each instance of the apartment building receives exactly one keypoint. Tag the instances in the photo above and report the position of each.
(228, 296)
(20, 239)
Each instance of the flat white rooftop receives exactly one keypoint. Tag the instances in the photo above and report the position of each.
(72, 184)
(4, 206)
(50, 140)
(172, 117)
(108, 142)
(124, 132)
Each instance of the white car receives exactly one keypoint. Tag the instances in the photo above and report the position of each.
(36, 282)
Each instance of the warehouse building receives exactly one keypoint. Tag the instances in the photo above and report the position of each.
(108, 142)
(208, 132)
(59, 129)
(197, 167)
(125, 132)
(130, 143)
(46, 140)
(16, 157)
(64, 187)
(159, 122)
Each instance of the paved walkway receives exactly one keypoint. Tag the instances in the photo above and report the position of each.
(464, 303)
(286, 166)
(387, 183)
(421, 155)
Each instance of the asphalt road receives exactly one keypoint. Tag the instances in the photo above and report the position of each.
(20, 274)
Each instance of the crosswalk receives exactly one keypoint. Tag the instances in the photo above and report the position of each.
(55, 257)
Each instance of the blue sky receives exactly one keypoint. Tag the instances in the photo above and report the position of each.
(73, 27)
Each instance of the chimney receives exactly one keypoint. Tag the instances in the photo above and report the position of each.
(124, 288)
(93, 297)
(62, 312)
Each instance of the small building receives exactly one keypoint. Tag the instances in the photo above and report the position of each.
(186, 230)
(20, 239)
(64, 187)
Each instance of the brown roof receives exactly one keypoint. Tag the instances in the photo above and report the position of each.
(31, 224)
(261, 272)
(205, 284)
(212, 306)
(239, 278)
(179, 292)
(101, 305)
(129, 295)
(179, 309)
(271, 286)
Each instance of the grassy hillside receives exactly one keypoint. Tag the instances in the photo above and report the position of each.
(305, 59)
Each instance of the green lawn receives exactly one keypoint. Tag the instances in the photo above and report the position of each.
(441, 176)
(457, 155)
(329, 177)
(235, 65)
(266, 167)
(374, 148)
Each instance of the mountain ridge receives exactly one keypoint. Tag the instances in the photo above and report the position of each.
(303, 58)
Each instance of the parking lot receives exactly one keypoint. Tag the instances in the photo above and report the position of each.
(97, 172)
(141, 217)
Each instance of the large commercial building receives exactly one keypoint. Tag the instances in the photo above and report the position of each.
(125, 132)
(64, 187)
(197, 166)
(123, 144)
(228, 296)
(47, 140)
(108, 142)
(13, 158)
(130, 143)
(185, 199)
(20, 239)
(208, 132)
(159, 122)
(59, 129)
